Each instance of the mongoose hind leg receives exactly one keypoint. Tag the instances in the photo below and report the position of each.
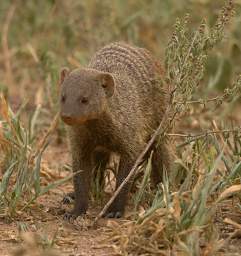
(116, 209)
(160, 161)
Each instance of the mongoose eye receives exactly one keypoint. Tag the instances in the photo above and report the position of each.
(104, 86)
(84, 100)
(63, 98)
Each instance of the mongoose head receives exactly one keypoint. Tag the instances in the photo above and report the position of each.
(84, 94)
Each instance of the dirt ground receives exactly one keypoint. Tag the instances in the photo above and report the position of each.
(46, 218)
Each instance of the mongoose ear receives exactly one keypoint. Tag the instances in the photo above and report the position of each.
(64, 72)
(108, 83)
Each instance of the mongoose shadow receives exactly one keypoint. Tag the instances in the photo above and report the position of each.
(115, 103)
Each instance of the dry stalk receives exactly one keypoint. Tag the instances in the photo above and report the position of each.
(50, 130)
(191, 138)
(203, 134)
(5, 46)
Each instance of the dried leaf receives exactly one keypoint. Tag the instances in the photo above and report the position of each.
(233, 223)
(177, 207)
(39, 97)
(4, 109)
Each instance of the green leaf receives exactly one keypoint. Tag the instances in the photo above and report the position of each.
(5, 180)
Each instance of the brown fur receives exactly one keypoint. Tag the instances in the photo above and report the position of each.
(115, 103)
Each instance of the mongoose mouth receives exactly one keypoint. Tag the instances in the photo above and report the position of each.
(77, 120)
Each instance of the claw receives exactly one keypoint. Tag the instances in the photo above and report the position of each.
(68, 216)
(113, 214)
(68, 198)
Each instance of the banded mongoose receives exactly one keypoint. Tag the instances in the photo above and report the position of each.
(114, 104)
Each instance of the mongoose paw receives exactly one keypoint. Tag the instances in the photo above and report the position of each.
(70, 216)
(68, 198)
(114, 214)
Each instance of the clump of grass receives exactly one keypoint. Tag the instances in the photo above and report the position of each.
(21, 154)
(183, 221)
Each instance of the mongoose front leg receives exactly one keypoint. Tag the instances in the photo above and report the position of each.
(82, 169)
(116, 209)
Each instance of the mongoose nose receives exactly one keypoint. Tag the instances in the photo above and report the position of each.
(65, 116)
(67, 119)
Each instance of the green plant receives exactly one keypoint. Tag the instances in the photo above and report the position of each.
(21, 161)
